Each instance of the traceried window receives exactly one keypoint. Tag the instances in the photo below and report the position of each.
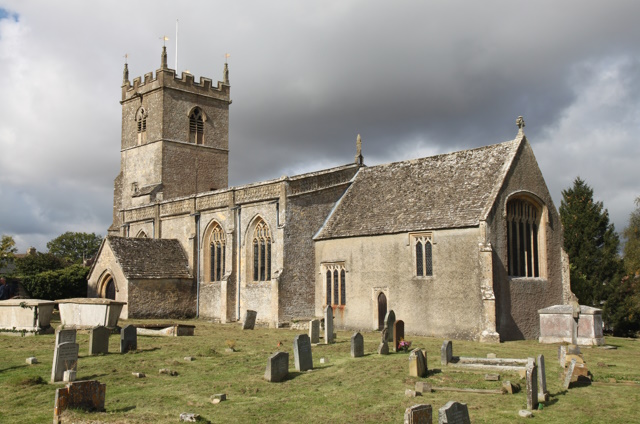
(141, 124)
(261, 252)
(423, 254)
(217, 243)
(196, 126)
(523, 226)
(335, 283)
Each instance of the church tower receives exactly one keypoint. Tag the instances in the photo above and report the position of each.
(175, 138)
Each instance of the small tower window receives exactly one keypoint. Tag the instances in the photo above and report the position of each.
(141, 124)
(196, 126)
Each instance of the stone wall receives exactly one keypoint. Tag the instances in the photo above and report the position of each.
(170, 298)
(106, 265)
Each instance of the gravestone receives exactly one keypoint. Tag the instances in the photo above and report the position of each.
(65, 357)
(128, 339)
(446, 352)
(67, 335)
(562, 355)
(454, 412)
(532, 384)
(99, 340)
(249, 321)
(88, 395)
(357, 345)
(328, 325)
(277, 367)
(569, 375)
(418, 414)
(542, 380)
(314, 330)
(398, 334)
(423, 387)
(302, 352)
(416, 363)
(389, 322)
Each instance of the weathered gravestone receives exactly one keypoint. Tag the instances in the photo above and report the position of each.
(417, 363)
(88, 395)
(543, 394)
(328, 325)
(446, 352)
(128, 339)
(65, 357)
(314, 330)
(99, 340)
(569, 375)
(398, 334)
(357, 345)
(249, 321)
(65, 335)
(454, 412)
(532, 384)
(383, 348)
(418, 414)
(277, 367)
(389, 322)
(302, 352)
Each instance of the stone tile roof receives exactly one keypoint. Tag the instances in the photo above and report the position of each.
(150, 258)
(446, 191)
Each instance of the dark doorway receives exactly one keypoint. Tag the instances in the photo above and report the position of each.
(382, 310)
(110, 290)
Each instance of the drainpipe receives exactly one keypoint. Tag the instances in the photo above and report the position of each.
(239, 272)
(197, 261)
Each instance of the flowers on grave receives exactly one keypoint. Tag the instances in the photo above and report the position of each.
(404, 345)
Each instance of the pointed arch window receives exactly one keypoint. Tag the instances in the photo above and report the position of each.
(217, 252)
(196, 126)
(335, 283)
(261, 252)
(423, 254)
(523, 227)
(141, 125)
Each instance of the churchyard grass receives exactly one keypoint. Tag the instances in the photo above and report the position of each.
(343, 389)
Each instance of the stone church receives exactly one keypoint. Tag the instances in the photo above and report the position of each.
(465, 245)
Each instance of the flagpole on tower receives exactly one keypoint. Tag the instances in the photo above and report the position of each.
(176, 46)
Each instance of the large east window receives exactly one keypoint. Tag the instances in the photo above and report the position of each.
(523, 235)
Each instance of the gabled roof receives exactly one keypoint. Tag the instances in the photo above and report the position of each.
(150, 258)
(445, 191)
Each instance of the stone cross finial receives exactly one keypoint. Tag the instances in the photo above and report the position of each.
(225, 74)
(163, 58)
(359, 157)
(520, 124)
(125, 73)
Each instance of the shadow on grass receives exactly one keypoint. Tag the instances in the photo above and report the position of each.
(433, 372)
(92, 376)
(13, 368)
(125, 409)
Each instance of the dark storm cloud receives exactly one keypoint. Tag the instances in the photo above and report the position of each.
(414, 78)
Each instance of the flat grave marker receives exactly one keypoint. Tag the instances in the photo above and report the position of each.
(357, 345)
(302, 353)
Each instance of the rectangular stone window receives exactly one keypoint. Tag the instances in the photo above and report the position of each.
(422, 251)
(335, 283)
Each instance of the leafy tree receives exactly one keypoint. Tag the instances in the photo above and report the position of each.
(591, 243)
(7, 250)
(632, 244)
(75, 247)
(59, 284)
(30, 265)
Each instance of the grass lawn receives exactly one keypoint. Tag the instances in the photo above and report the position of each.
(343, 389)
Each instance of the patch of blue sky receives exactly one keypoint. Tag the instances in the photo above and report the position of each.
(5, 14)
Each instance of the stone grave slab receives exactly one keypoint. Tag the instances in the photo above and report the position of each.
(328, 325)
(418, 414)
(454, 412)
(398, 334)
(65, 357)
(423, 387)
(128, 339)
(277, 367)
(357, 345)
(569, 374)
(543, 394)
(532, 385)
(249, 321)
(302, 352)
(314, 330)
(389, 322)
(88, 395)
(416, 363)
(446, 352)
(65, 335)
(99, 340)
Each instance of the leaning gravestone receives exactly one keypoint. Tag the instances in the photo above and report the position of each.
(454, 412)
(383, 348)
(65, 357)
(389, 322)
(99, 340)
(418, 414)
(542, 380)
(328, 325)
(277, 367)
(302, 352)
(532, 385)
(67, 335)
(569, 375)
(128, 339)
(416, 363)
(357, 345)
(398, 334)
(314, 330)
(446, 352)
(249, 321)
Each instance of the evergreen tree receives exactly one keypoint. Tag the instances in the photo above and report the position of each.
(632, 242)
(591, 243)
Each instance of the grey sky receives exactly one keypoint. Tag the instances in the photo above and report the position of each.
(414, 78)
